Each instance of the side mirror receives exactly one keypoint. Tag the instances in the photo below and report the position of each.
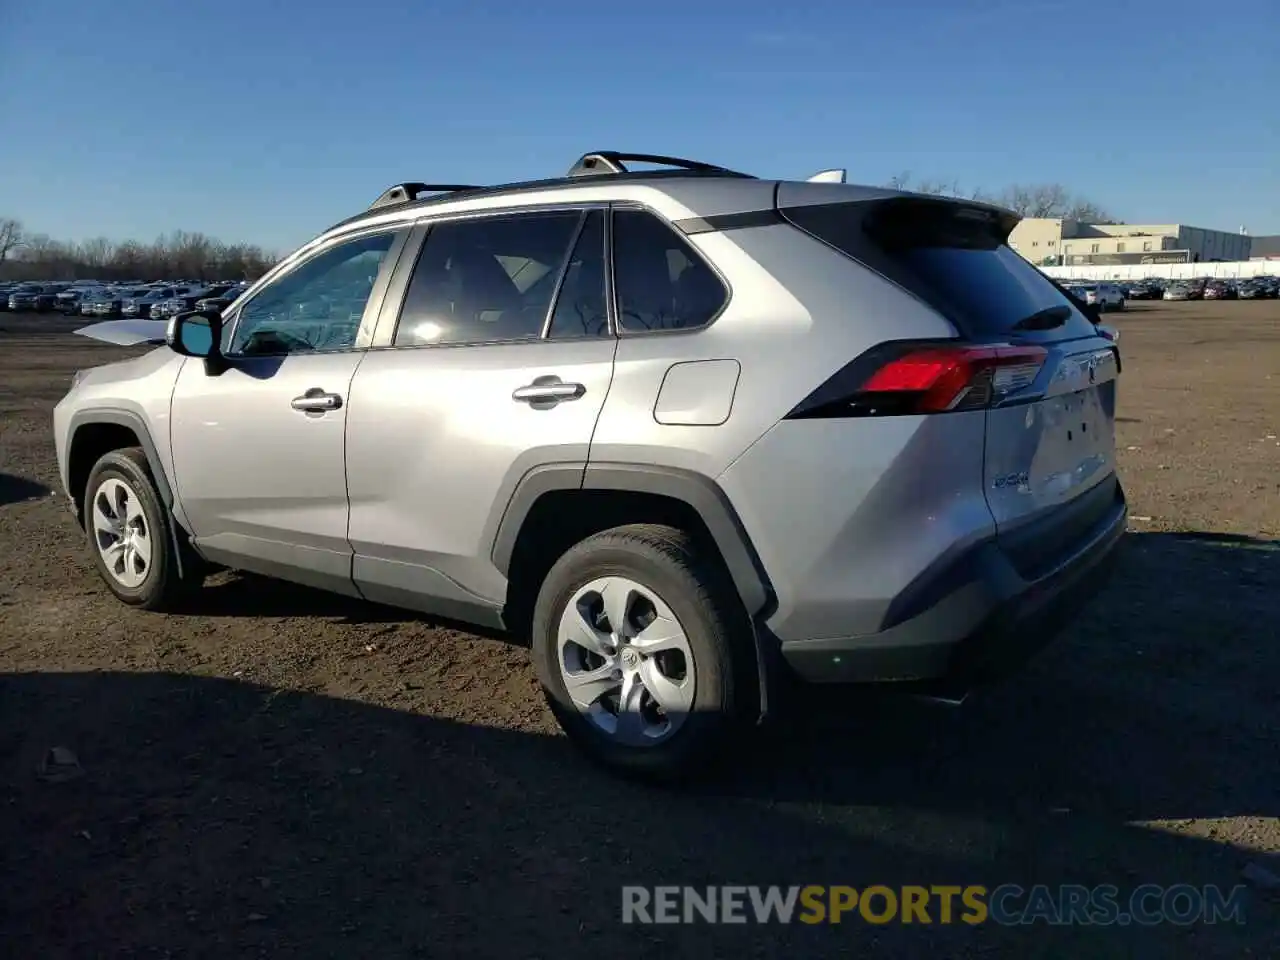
(198, 334)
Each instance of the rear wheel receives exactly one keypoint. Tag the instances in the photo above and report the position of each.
(142, 559)
(643, 651)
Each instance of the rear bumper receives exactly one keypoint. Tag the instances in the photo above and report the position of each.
(987, 621)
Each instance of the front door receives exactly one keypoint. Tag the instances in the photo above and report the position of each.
(258, 449)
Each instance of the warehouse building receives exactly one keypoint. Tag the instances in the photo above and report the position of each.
(1265, 248)
(1059, 242)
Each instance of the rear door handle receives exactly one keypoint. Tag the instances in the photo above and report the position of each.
(316, 400)
(548, 390)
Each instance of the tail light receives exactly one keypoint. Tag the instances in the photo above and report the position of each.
(898, 379)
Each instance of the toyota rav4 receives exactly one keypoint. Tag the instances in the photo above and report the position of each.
(690, 432)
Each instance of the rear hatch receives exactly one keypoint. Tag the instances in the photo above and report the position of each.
(1049, 458)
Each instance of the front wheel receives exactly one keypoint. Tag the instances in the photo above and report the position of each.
(644, 651)
(143, 560)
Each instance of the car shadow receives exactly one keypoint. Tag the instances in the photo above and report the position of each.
(206, 816)
(1159, 704)
(14, 489)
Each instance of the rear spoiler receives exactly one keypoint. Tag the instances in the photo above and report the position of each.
(127, 333)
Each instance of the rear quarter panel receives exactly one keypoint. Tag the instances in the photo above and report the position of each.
(797, 312)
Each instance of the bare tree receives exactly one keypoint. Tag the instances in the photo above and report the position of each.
(180, 255)
(10, 236)
(96, 253)
(1048, 200)
(941, 188)
(1051, 200)
(1026, 200)
(1087, 212)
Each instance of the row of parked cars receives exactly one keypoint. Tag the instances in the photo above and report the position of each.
(154, 301)
(1112, 295)
(1248, 288)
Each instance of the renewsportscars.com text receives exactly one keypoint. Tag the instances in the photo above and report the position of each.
(1007, 904)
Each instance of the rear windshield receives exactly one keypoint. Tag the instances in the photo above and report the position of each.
(952, 256)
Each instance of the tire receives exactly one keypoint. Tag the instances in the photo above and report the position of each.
(653, 567)
(161, 571)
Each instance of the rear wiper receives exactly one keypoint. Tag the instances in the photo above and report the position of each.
(1045, 319)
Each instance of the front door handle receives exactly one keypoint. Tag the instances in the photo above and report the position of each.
(547, 391)
(316, 400)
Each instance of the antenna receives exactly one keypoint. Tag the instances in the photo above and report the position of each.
(829, 176)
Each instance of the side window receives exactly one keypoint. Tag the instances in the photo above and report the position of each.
(316, 306)
(580, 307)
(661, 283)
(485, 281)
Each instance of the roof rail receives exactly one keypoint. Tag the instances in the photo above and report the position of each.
(604, 162)
(405, 192)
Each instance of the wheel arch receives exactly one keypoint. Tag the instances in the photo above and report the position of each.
(96, 431)
(697, 492)
(627, 493)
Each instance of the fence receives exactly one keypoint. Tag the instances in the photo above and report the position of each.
(1170, 271)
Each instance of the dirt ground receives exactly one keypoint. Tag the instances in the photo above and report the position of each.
(284, 773)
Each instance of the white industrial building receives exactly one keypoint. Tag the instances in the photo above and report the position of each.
(1047, 241)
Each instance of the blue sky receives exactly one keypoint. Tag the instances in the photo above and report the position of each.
(266, 120)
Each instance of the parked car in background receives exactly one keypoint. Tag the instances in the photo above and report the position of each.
(1177, 291)
(1143, 290)
(158, 309)
(1103, 295)
(146, 300)
(189, 299)
(1253, 290)
(21, 297)
(88, 306)
(1219, 290)
(34, 297)
(112, 301)
(222, 300)
(68, 301)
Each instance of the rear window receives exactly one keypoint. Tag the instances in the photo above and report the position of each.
(952, 256)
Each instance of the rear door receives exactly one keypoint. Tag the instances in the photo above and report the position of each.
(493, 357)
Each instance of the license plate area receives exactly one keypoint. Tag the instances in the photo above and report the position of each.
(1043, 454)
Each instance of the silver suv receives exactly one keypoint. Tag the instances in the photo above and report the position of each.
(692, 433)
